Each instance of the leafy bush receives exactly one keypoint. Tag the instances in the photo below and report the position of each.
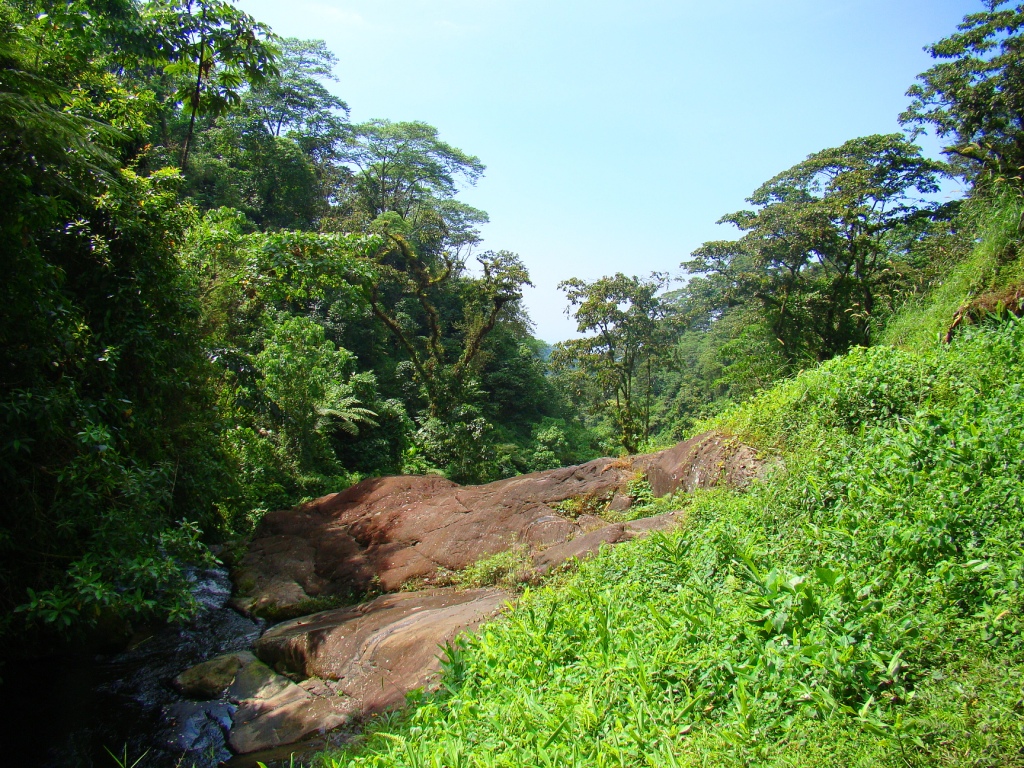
(109, 431)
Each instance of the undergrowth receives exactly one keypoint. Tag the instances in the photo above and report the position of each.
(642, 503)
(508, 568)
(995, 261)
(860, 606)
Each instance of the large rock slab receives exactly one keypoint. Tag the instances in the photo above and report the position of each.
(589, 544)
(384, 532)
(381, 650)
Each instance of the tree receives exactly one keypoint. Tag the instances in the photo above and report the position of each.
(620, 359)
(823, 247)
(108, 437)
(213, 50)
(444, 371)
(404, 168)
(277, 156)
(296, 99)
(975, 96)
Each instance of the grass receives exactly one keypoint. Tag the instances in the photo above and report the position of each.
(994, 262)
(508, 568)
(643, 503)
(861, 606)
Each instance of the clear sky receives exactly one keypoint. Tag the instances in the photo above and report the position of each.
(615, 134)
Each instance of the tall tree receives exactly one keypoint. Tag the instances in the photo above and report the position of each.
(296, 99)
(822, 248)
(620, 358)
(406, 169)
(975, 95)
(443, 369)
(213, 50)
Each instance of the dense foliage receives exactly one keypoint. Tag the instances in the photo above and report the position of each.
(223, 297)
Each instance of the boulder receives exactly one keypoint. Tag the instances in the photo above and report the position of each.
(211, 678)
(256, 708)
(384, 532)
(272, 710)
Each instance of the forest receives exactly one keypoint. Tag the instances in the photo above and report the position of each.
(222, 297)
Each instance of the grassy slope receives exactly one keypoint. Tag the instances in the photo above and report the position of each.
(862, 606)
(996, 261)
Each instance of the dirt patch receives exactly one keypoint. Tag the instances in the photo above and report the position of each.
(998, 303)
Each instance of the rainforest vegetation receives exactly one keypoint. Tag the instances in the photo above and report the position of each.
(220, 296)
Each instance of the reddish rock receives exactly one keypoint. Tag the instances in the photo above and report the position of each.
(384, 532)
(380, 650)
(272, 710)
(589, 544)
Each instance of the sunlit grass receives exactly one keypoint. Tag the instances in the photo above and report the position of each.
(862, 606)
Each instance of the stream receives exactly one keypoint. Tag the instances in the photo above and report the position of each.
(67, 712)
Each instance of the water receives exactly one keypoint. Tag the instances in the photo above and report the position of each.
(67, 712)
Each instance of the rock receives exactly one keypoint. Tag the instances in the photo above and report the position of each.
(703, 461)
(589, 544)
(620, 502)
(381, 650)
(260, 708)
(384, 532)
(211, 678)
(199, 728)
(646, 525)
(580, 547)
(272, 710)
(1008, 300)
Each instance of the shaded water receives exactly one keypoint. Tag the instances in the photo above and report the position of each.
(67, 712)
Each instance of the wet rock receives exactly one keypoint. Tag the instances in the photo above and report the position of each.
(198, 728)
(384, 532)
(379, 651)
(211, 678)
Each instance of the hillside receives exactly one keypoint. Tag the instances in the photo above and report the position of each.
(861, 606)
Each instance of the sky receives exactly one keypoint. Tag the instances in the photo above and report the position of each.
(616, 134)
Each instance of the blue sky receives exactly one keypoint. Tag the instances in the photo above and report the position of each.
(615, 134)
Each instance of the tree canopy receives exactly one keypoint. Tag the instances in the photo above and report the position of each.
(974, 96)
(823, 246)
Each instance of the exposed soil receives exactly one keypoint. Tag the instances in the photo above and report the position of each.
(1007, 300)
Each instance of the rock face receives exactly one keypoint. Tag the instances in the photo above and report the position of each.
(384, 532)
(272, 710)
(588, 544)
(381, 650)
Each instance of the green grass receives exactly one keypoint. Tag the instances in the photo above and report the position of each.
(994, 262)
(861, 606)
(509, 568)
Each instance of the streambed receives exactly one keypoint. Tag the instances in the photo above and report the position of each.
(66, 712)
